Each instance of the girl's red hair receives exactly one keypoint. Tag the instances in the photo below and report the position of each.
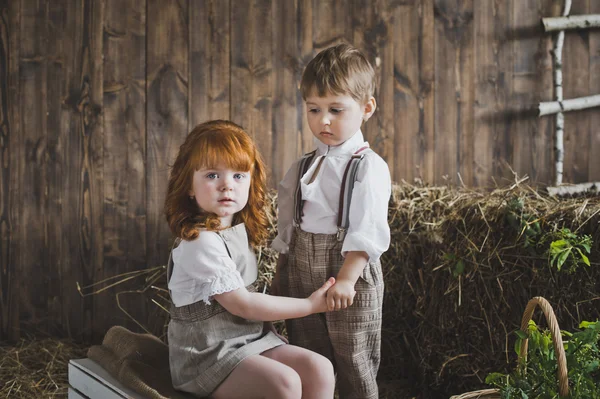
(208, 145)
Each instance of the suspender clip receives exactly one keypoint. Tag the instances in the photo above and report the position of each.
(341, 233)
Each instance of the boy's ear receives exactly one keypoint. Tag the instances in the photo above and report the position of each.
(369, 108)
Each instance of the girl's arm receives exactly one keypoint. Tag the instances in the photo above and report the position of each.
(262, 307)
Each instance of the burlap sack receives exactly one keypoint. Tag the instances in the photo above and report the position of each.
(138, 361)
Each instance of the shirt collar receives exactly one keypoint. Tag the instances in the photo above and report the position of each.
(348, 147)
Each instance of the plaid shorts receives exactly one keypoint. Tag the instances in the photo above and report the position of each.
(350, 338)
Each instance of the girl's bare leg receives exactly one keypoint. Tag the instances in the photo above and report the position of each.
(315, 371)
(260, 377)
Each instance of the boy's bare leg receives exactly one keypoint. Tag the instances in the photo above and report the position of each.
(315, 371)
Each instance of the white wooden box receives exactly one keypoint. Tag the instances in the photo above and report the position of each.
(88, 380)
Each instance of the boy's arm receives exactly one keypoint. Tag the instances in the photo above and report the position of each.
(369, 230)
(341, 295)
(368, 234)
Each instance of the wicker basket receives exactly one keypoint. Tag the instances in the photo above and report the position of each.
(563, 380)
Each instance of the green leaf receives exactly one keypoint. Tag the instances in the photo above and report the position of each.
(459, 268)
(584, 258)
(587, 245)
(563, 257)
(449, 256)
(493, 377)
(558, 244)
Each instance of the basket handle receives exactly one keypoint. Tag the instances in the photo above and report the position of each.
(563, 379)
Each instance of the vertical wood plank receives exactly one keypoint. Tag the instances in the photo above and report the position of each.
(454, 96)
(209, 61)
(123, 121)
(167, 61)
(69, 143)
(594, 85)
(286, 78)
(530, 79)
(305, 38)
(10, 169)
(89, 105)
(446, 163)
(332, 23)
(252, 72)
(406, 83)
(60, 20)
(374, 34)
(576, 83)
(427, 90)
(466, 93)
(33, 88)
(490, 19)
(502, 119)
(66, 153)
(543, 141)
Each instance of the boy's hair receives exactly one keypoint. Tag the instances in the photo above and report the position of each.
(341, 69)
(207, 145)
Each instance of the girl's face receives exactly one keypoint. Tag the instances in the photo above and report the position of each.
(221, 190)
(333, 119)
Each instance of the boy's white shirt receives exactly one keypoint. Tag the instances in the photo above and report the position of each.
(368, 229)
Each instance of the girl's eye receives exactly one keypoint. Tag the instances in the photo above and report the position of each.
(212, 175)
(239, 176)
(313, 110)
(336, 110)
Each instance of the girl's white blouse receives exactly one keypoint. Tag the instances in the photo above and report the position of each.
(203, 268)
(368, 230)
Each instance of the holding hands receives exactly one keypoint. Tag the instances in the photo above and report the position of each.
(318, 299)
(341, 295)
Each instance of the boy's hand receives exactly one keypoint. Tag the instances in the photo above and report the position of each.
(341, 295)
(318, 298)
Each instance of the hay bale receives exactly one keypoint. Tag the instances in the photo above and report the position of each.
(460, 270)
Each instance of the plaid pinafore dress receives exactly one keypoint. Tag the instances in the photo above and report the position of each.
(349, 338)
(206, 342)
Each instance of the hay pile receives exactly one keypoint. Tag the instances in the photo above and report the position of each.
(460, 269)
(37, 368)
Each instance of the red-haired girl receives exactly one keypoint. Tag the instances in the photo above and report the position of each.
(218, 345)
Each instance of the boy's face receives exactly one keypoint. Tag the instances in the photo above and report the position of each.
(333, 119)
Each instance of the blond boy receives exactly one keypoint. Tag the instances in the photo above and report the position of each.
(333, 205)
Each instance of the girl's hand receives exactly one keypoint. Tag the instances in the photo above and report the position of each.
(341, 295)
(319, 298)
(268, 326)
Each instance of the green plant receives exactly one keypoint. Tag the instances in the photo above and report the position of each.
(527, 226)
(569, 249)
(459, 264)
(536, 378)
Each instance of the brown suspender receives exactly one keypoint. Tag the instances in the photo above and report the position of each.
(345, 192)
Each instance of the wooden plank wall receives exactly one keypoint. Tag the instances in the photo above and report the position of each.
(97, 95)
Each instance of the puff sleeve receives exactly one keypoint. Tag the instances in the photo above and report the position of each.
(202, 268)
(368, 228)
(285, 209)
